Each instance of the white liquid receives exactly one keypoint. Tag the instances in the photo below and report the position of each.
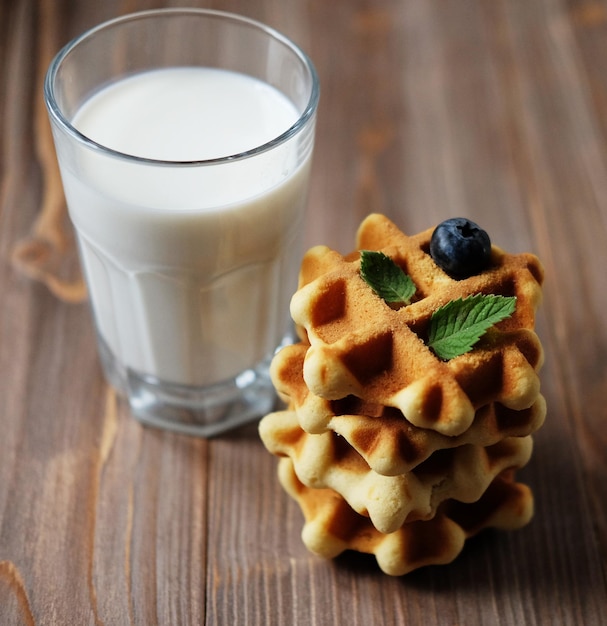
(190, 269)
(186, 114)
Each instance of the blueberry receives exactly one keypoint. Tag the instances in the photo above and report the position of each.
(460, 247)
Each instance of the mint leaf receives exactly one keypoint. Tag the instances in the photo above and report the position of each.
(458, 325)
(388, 280)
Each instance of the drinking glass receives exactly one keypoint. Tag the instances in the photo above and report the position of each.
(189, 262)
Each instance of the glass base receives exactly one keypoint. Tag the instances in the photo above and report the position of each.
(198, 411)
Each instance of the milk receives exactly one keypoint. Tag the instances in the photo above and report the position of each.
(190, 267)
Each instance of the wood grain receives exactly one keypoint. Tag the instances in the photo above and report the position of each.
(496, 110)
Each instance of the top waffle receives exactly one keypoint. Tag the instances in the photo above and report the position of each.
(359, 346)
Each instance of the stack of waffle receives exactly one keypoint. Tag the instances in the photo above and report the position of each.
(388, 449)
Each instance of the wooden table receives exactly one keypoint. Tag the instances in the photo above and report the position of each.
(491, 109)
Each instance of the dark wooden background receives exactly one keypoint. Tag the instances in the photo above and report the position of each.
(492, 109)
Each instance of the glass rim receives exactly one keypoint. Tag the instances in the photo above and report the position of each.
(58, 116)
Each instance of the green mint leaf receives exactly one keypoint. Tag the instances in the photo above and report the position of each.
(388, 280)
(456, 327)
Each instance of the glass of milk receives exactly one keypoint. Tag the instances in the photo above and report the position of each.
(184, 139)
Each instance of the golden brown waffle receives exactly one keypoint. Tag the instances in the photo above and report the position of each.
(327, 461)
(388, 442)
(387, 448)
(359, 346)
(332, 526)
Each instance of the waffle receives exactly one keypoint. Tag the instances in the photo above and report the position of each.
(332, 526)
(326, 461)
(388, 449)
(359, 346)
(387, 441)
